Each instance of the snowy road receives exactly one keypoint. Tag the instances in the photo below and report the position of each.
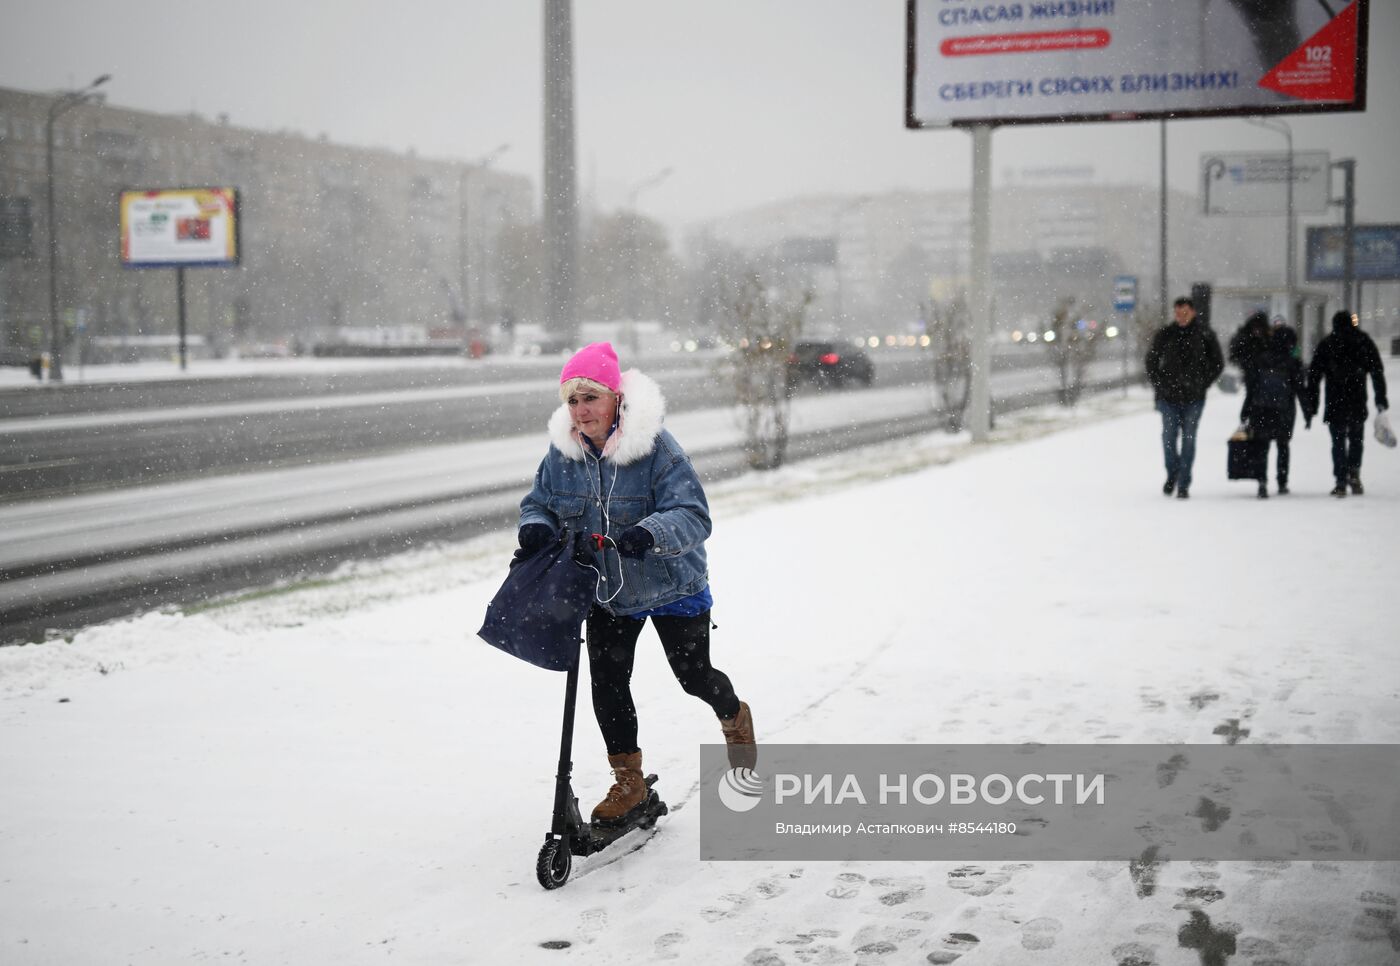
(55, 441)
(341, 773)
(68, 560)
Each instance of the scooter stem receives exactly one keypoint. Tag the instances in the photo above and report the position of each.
(563, 793)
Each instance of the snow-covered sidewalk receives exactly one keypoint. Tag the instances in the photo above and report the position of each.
(343, 774)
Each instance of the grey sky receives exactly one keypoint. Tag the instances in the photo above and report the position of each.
(748, 100)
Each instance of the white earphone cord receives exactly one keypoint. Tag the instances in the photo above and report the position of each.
(607, 524)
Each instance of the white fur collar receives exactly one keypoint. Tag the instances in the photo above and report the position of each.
(642, 409)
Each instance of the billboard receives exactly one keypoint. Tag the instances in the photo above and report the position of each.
(180, 227)
(1037, 61)
(1256, 183)
(1375, 253)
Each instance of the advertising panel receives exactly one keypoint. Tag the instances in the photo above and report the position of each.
(172, 227)
(1256, 183)
(1037, 61)
(1375, 252)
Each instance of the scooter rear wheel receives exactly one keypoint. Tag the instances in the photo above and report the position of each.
(554, 864)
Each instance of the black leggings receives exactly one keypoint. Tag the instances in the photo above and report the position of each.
(612, 644)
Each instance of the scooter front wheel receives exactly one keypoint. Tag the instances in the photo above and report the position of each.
(554, 864)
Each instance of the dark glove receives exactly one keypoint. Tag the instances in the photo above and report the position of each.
(534, 536)
(635, 542)
(1307, 422)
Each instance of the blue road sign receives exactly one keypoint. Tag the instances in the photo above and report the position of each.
(1124, 293)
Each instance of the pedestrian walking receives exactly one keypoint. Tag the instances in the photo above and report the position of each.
(612, 470)
(1342, 361)
(1249, 340)
(1182, 362)
(1274, 384)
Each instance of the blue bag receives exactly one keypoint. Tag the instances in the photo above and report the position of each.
(538, 613)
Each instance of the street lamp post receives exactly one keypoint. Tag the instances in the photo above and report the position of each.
(1282, 127)
(62, 103)
(464, 245)
(632, 246)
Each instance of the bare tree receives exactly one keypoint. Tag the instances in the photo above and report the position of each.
(946, 326)
(1071, 350)
(763, 324)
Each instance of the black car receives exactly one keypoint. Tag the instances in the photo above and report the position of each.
(830, 363)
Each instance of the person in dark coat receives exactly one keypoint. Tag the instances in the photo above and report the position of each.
(1182, 362)
(1249, 339)
(1274, 383)
(1343, 360)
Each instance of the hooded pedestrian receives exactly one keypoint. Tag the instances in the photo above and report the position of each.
(1249, 339)
(614, 471)
(1342, 361)
(1274, 386)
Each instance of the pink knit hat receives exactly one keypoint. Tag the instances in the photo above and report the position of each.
(597, 362)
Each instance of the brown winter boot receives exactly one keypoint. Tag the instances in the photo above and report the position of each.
(738, 735)
(628, 791)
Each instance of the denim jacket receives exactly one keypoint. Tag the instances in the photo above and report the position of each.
(644, 479)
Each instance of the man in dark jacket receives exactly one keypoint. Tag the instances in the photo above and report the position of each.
(1183, 361)
(1343, 359)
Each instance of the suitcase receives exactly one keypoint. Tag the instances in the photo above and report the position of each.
(1248, 459)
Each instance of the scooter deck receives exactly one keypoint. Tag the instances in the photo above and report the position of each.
(595, 837)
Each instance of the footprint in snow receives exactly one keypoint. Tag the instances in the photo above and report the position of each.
(1376, 920)
(1040, 933)
(736, 902)
(977, 881)
(821, 954)
(952, 948)
(1143, 871)
(1230, 730)
(807, 949)
(1267, 869)
(666, 945)
(1151, 702)
(1134, 954)
(591, 922)
(770, 888)
(1262, 952)
(1202, 698)
(809, 937)
(848, 885)
(901, 889)
(874, 952)
(880, 940)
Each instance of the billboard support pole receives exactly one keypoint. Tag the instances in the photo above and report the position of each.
(1348, 167)
(1162, 224)
(980, 294)
(1290, 279)
(180, 312)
